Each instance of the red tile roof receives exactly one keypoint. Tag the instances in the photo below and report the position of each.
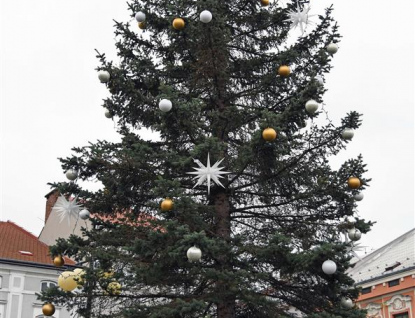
(15, 242)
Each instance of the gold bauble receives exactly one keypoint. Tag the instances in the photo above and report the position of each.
(269, 134)
(166, 205)
(142, 25)
(66, 281)
(264, 3)
(48, 309)
(354, 183)
(178, 24)
(114, 288)
(79, 276)
(58, 261)
(284, 70)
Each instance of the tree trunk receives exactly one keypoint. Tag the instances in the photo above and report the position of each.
(225, 307)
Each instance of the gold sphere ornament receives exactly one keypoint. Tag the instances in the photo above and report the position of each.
(354, 183)
(178, 24)
(264, 3)
(269, 134)
(114, 288)
(66, 281)
(284, 71)
(58, 261)
(142, 25)
(166, 205)
(48, 309)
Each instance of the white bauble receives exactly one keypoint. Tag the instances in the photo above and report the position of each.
(108, 114)
(84, 214)
(319, 79)
(194, 254)
(358, 197)
(104, 76)
(346, 302)
(332, 48)
(140, 16)
(165, 105)
(205, 16)
(329, 267)
(347, 134)
(354, 234)
(71, 174)
(311, 106)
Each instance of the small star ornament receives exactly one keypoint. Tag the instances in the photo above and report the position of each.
(300, 17)
(66, 209)
(208, 173)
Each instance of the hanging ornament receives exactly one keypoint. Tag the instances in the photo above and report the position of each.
(284, 71)
(71, 174)
(208, 173)
(48, 309)
(58, 261)
(319, 79)
(66, 209)
(205, 16)
(104, 76)
(264, 3)
(311, 106)
(347, 134)
(114, 288)
(346, 303)
(140, 16)
(178, 24)
(269, 134)
(354, 183)
(358, 196)
(300, 17)
(84, 214)
(354, 234)
(108, 113)
(165, 105)
(166, 205)
(329, 267)
(194, 254)
(66, 281)
(142, 25)
(332, 48)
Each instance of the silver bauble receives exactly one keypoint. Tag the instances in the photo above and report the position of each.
(319, 79)
(205, 16)
(347, 134)
(346, 303)
(332, 48)
(84, 214)
(108, 113)
(165, 105)
(311, 106)
(194, 254)
(358, 196)
(71, 174)
(104, 76)
(354, 234)
(140, 16)
(329, 267)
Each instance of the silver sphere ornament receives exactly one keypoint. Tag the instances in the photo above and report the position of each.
(140, 16)
(71, 174)
(205, 16)
(358, 197)
(104, 76)
(329, 267)
(332, 48)
(347, 134)
(84, 214)
(165, 105)
(194, 254)
(108, 113)
(354, 234)
(311, 106)
(319, 79)
(346, 303)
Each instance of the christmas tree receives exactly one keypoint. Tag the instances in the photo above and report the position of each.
(233, 210)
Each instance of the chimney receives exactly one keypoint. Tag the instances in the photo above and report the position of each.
(51, 199)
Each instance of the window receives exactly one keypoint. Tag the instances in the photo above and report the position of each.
(394, 282)
(366, 290)
(46, 284)
(402, 315)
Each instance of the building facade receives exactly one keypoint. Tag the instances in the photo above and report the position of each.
(387, 279)
(26, 268)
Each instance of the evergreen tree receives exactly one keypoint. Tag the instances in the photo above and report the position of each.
(266, 231)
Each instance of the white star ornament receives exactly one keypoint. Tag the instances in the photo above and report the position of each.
(66, 209)
(300, 17)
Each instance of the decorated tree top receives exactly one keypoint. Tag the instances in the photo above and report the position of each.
(220, 83)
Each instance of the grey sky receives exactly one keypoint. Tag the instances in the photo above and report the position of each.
(51, 99)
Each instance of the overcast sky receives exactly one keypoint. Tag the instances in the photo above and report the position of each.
(51, 99)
